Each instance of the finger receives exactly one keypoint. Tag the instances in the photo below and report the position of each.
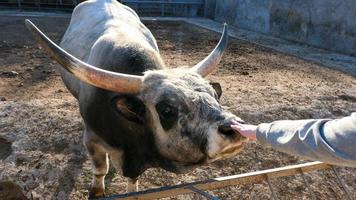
(237, 124)
(237, 127)
(234, 121)
(239, 120)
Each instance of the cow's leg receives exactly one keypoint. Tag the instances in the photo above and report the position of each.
(132, 185)
(116, 159)
(100, 165)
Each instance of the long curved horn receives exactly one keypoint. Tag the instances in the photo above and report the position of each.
(112, 81)
(208, 65)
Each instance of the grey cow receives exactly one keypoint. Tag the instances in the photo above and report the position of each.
(135, 109)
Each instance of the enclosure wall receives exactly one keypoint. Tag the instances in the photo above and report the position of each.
(328, 24)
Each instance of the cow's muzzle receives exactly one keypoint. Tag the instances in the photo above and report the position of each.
(226, 130)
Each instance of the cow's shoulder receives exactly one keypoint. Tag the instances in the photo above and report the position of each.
(125, 57)
(102, 7)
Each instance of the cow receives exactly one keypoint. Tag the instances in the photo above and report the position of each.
(136, 110)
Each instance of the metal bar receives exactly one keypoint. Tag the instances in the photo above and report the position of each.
(205, 8)
(222, 182)
(201, 192)
(273, 193)
(34, 4)
(342, 184)
(19, 3)
(164, 2)
(307, 185)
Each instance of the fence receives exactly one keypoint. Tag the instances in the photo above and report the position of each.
(190, 8)
(62, 5)
(248, 178)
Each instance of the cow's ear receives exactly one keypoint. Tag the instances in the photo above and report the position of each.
(131, 108)
(217, 88)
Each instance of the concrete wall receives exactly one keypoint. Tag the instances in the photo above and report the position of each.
(329, 24)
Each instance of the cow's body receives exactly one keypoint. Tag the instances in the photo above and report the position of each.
(168, 118)
(110, 35)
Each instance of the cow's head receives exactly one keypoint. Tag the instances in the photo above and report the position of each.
(189, 124)
(178, 105)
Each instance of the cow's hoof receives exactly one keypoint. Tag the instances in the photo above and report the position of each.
(96, 193)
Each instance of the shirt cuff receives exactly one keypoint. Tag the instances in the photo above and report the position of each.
(262, 133)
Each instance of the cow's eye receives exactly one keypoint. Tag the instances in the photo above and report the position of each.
(168, 114)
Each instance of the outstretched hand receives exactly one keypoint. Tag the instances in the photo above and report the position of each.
(246, 130)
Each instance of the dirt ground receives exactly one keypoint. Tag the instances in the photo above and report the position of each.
(40, 119)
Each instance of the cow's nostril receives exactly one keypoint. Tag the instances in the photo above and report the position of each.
(226, 130)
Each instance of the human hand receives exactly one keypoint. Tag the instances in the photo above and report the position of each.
(246, 130)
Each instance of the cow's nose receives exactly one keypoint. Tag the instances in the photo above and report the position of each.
(226, 129)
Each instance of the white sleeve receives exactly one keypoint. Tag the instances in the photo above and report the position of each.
(329, 141)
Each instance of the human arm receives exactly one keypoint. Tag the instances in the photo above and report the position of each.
(330, 141)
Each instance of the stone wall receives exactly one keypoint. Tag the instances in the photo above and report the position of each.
(328, 24)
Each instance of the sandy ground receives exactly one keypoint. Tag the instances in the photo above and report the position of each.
(41, 122)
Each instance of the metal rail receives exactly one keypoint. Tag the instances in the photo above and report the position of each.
(150, 7)
(40, 4)
(187, 2)
(216, 183)
(168, 7)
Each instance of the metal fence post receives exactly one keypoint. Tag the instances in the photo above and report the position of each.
(205, 8)
(19, 4)
(273, 193)
(307, 185)
(162, 9)
(342, 184)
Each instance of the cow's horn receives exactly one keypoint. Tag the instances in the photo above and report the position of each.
(108, 80)
(208, 65)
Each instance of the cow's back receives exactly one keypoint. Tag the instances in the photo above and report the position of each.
(96, 19)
